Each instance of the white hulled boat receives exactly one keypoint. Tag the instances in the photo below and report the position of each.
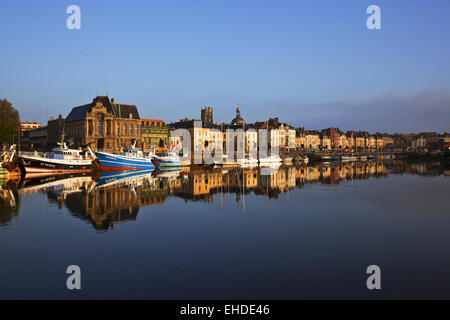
(60, 160)
(168, 159)
(269, 160)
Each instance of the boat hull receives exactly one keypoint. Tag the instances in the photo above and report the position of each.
(3, 171)
(43, 165)
(169, 163)
(269, 161)
(112, 162)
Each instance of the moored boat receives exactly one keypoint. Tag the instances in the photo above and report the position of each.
(3, 171)
(60, 160)
(9, 163)
(129, 159)
(269, 160)
(301, 159)
(168, 159)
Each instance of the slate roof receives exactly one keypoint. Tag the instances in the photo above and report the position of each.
(117, 109)
(124, 110)
(79, 113)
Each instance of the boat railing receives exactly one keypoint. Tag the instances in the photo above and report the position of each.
(131, 154)
(54, 156)
(32, 154)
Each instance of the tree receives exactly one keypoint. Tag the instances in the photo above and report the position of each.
(9, 123)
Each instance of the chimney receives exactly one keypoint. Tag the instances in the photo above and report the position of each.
(113, 100)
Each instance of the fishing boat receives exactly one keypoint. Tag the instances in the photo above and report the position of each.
(288, 160)
(3, 171)
(129, 159)
(301, 159)
(247, 162)
(9, 163)
(269, 160)
(168, 159)
(59, 160)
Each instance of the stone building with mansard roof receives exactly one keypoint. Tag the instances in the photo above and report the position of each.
(104, 124)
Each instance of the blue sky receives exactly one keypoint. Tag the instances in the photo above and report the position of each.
(311, 63)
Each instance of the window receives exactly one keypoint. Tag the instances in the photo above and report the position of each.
(137, 130)
(130, 132)
(124, 129)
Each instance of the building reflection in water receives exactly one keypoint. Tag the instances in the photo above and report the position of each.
(117, 197)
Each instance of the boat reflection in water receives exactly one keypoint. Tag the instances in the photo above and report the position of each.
(115, 197)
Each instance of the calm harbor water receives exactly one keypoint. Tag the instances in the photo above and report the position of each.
(299, 232)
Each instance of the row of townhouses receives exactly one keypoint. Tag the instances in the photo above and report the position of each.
(107, 124)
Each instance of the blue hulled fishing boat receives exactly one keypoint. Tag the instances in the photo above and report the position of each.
(129, 159)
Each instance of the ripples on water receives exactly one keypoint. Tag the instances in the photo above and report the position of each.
(299, 232)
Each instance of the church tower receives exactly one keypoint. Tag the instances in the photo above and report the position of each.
(207, 116)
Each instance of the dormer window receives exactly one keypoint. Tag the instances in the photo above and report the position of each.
(130, 115)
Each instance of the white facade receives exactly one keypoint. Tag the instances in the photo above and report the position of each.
(291, 138)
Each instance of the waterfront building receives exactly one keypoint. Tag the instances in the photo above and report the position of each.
(388, 142)
(176, 141)
(360, 142)
(342, 141)
(300, 139)
(55, 130)
(154, 133)
(325, 142)
(273, 134)
(251, 141)
(335, 137)
(350, 140)
(104, 124)
(287, 136)
(38, 139)
(379, 142)
(312, 139)
(25, 127)
(282, 131)
(428, 140)
(291, 138)
(372, 143)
